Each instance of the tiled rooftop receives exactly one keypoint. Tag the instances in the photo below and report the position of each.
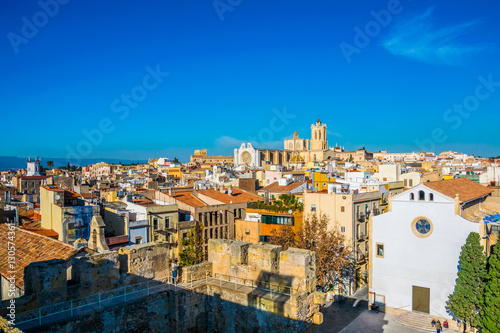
(238, 196)
(465, 188)
(30, 247)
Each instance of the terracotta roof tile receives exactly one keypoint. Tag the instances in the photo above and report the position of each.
(465, 188)
(238, 196)
(30, 247)
(276, 188)
(188, 199)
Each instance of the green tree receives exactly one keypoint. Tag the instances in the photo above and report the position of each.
(467, 299)
(192, 247)
(491, 310)
(175, 160)
(350, 158)
(68, 166)
(50, 164)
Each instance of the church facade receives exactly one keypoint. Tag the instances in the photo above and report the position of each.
(252, 157)
(415, 247)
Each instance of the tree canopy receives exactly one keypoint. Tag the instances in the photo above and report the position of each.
(491, 310)
(333, 255)
(467, 300)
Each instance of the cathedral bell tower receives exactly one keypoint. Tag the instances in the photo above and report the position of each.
(318, 136)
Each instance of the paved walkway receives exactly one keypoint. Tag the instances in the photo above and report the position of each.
(344, 318)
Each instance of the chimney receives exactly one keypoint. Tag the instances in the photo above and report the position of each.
(222, 189)
(230, 190)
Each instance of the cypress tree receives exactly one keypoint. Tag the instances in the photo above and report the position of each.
(491, 311)
(467, 299)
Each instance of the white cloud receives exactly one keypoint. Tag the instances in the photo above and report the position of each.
(419, 39)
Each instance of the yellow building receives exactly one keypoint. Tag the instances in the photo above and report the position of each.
(320, 180)
(65, 212)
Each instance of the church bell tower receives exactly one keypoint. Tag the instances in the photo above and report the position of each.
(318, 136)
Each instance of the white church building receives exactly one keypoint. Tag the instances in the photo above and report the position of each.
(415, 247)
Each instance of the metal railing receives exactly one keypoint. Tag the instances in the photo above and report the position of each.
(89, 304)
(92, 303)
(272, 288)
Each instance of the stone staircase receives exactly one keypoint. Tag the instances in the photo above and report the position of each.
(416, 320)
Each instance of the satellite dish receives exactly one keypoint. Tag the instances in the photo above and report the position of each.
(58, 197)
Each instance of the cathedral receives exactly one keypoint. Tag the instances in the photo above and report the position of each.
(312, 150)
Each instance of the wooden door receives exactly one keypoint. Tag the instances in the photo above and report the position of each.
(421, 299)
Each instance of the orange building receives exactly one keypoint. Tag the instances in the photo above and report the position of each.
(258, 224)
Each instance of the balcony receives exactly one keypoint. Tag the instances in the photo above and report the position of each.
(361, 217)
(166, 231)
(361, 236)
(361, 258)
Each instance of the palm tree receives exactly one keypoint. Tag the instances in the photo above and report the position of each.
(50, 164)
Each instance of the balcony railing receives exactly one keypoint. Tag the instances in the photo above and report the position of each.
(361, 217)
(166, 231)
(361, 236)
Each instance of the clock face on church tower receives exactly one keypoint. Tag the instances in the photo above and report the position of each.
(246, 157)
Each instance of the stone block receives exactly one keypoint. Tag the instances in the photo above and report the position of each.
(319, 298)
(239, 253)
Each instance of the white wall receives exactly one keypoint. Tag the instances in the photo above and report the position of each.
(412, 261)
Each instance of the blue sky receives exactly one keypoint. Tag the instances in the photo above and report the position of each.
(381, 74)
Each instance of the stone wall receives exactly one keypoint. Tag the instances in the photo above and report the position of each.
(295, 268)
(207, 307)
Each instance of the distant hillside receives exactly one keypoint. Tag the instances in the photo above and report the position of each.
(16, 163)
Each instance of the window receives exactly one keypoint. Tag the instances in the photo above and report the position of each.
(423, 226)
(406, 182)
(264, 239)
(313, 208)
(412, 196)
(380, 250)
(421, 195)
(384, 179)
(410, 182)
(271, 219)
(155, 223)
(138, 240)
(167, 222)
(342, 229)
(431, 197)
(342, 209)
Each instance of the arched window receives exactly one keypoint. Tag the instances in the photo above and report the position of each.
(291, 145)
(421, 195)
(315, 135)
(320, 135)
(412, 196)
(431, 197)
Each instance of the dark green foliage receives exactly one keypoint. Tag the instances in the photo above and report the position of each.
(283, 204)
(192, 248)
(467, 300)
(491, 310)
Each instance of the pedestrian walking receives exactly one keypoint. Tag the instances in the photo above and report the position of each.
(438, 327)
(445, 324)
(433, 322)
